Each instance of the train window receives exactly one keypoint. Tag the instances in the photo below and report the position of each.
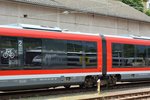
(54, 54)
(140, 59)
(128, 55)
(122, 55)
(117, 50)
(74, 46)
(32, 53)
(129, 50)
(117, 55)
(67, 54)
(75, 54)
(90, 56)
(8, 53)
(58, 54)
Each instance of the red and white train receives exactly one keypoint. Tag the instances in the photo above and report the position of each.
(36, 58)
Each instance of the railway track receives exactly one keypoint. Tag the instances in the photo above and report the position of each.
(144, 95)
(6, 95)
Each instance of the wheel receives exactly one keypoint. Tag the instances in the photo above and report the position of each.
(89, 82)
(111, 81)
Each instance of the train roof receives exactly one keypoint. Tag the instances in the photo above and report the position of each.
(57, 29)
(43, 28)
(129, 37)
(34, 27)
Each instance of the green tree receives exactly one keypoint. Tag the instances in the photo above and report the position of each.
(147, 12)
(137, 4)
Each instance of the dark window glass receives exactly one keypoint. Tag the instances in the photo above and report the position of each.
(32, 53)
(140, 51)
(90, 56)
(66, 54)
(117, 50)
(74, 46)
(140, 59)
(128, 55)
(75, 54)
(58, 54)
(129, 50)
(117, 55)
(8, 53)
(54, 54)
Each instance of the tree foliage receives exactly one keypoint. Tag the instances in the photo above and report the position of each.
(147, 12)
(137, 4)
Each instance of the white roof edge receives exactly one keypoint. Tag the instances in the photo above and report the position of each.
(72, 32)
(6, 26)
(30, 26)
(129, 37)
(119, 36)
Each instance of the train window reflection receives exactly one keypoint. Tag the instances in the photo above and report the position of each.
(59, 54)
(8, 53)
(32, 53)
(140, 59)
(129, 55)
(90, 54)
(36, 53)
(54, 54)
(75, 54)
(117, 55)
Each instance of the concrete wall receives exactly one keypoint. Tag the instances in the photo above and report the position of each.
(11, 12)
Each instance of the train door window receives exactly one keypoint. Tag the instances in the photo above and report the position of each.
(32, 53)
(129, 55)
(90, 56)
(75, 54)
(117, 55)
(8, 53)
(54, 54)
(140, 59)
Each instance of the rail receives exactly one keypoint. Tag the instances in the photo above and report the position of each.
(6, 95)
(126, 96)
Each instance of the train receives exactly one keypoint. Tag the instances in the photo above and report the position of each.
(33, 56)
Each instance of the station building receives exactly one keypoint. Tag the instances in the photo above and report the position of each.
(89, 16)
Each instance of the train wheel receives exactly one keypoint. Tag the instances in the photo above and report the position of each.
(114, 80)
(111, 81)
(67, 86)
(89, 82)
